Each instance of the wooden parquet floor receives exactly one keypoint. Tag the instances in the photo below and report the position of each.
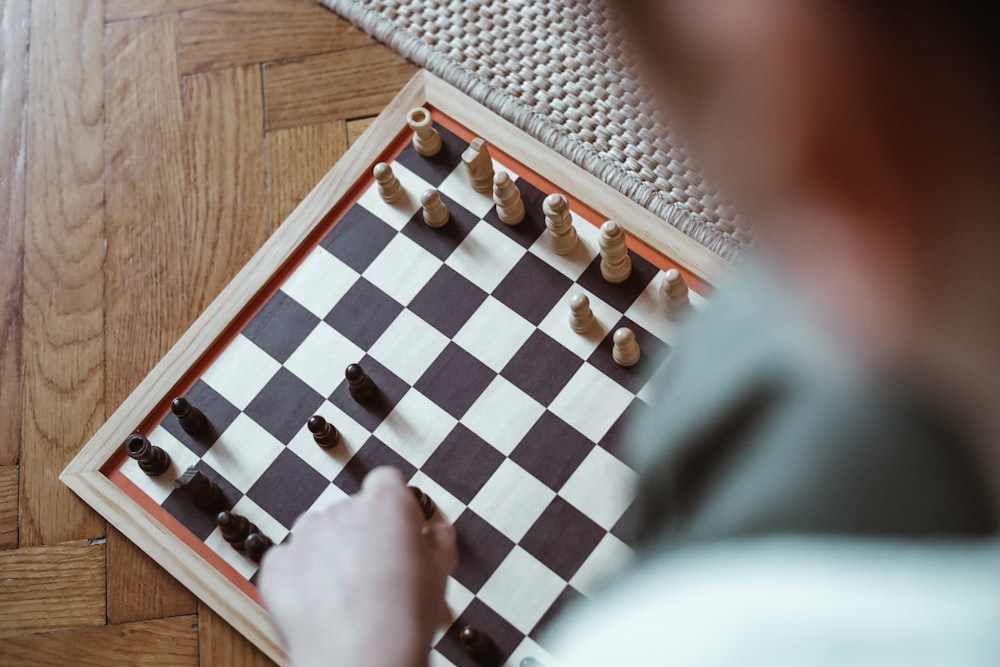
(147, 149)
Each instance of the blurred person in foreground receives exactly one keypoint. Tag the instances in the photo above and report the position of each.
(818, 481)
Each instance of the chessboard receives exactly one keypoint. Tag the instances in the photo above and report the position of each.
(487, 399)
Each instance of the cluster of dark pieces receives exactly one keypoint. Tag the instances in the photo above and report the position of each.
(206, 495)
(203, 493)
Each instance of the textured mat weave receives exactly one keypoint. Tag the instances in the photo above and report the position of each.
(556, 70)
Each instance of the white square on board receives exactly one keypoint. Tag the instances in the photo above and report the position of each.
(398, 213)
(503, 415)
(457, 597)
(485, 257)
(241, 371)
(494, 334)
(245, 451)
(402, 269)
(591, 402)
(329, 462)
(320, 282)
(511, 500)
(415, 427)
(602, 487)
(521, 589)
(321, 358)
(556, 323)
(575, 263)
(409, 346)
(610, 557)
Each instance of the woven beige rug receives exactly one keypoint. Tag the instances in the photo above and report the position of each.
(557, 70)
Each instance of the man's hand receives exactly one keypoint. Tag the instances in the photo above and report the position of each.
(361, 582)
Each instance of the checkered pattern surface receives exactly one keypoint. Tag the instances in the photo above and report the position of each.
(489, 402)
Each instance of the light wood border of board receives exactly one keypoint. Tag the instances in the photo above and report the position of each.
(83, 474)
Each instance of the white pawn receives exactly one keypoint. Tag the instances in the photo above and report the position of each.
(389, 187)
(626, 352)
(507, 197)
(435, 212)
(581, 317)
(616, 265)
(559, 223)
(480, 165)
(674, 292)
(426, 139)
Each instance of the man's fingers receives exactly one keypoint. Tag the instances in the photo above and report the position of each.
(442, 545)
(383, 477)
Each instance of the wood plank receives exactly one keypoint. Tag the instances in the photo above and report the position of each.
(63, 264)
(8, 507)
(168, 642)
(145, 296)
(14, 27)
(297, 159)
(226, 180)
(118, 10)
(357, 127)
(312, 90)
(222, 645)
(138, 588)
(51, 588)
(254, 31)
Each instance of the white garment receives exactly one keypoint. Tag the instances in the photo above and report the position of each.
(794, 602)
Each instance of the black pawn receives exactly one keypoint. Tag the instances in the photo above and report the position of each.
(191, 419)
(361, 386)
(235, 529)
(323, 432)
(475, 642)
(152, 460)
(426, 504)
(200, 490)
(257, 545)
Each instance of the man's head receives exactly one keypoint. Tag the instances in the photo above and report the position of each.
(862, 139)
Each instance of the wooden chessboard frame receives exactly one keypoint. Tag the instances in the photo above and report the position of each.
(84, 474)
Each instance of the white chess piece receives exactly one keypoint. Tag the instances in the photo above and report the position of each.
(389, 187)
(616, 265)
(581, 317)
(626, 352)
(674, 292)
(435, 212)
(507, 197)
(480, 165)
(426, 139)
(559, 224)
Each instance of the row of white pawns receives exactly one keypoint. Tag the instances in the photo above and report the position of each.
(616, 265)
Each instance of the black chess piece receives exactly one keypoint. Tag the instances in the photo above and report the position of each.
(427, 505)
(324, 433)
(191, 419)
(476, 643)
(152, 460)
(235, 529)
(257, 545)
(199, 489)
(361, 386)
